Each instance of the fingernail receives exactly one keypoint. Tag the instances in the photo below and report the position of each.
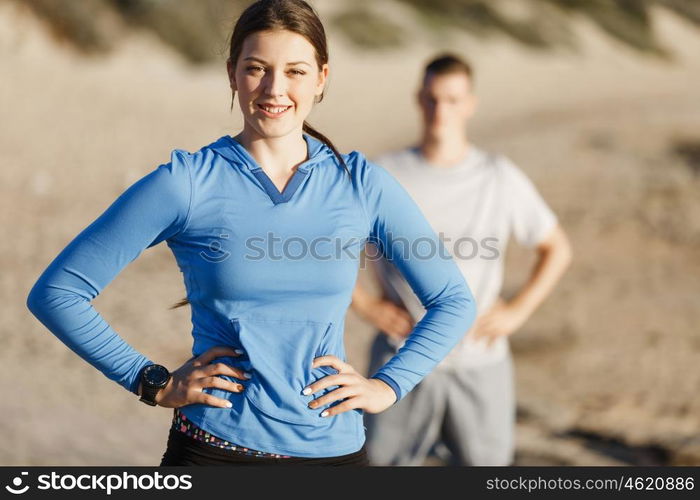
(306, 391)
(238, 351)
(247, 375)
(324, 413)
(229, 404)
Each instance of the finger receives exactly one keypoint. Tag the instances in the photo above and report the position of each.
(395, 335)
(215, 352)
(406, 315)
(394, 329)
(350, 404)
(224, 369)
(389, 333)
(403, 325)
(329, 360)
(328, 381)
(208, 399)
(403, 334)
(340, 393)
(220, 383)
(399, 338)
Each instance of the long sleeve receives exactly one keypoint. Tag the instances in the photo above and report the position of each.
(405, 237)
(153, 209)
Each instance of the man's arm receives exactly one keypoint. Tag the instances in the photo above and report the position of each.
(362, 301)
(554, 257)
(383, 314)
(394, 222)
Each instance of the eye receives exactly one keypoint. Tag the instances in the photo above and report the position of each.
(298, 72)
(255, 68)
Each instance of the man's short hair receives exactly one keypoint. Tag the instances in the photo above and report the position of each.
(448, 63)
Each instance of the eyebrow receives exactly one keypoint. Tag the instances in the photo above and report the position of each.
(253, 58)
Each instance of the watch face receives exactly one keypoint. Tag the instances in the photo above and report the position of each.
(156, 375)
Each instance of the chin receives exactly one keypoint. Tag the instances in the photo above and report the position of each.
(265, 130)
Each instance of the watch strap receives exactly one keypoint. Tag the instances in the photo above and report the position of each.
(148, 395)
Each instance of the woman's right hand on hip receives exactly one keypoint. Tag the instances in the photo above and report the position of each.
(186, 383)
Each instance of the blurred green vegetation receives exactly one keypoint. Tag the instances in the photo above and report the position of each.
(200, 29)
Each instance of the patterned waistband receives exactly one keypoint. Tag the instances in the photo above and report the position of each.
(182, 424)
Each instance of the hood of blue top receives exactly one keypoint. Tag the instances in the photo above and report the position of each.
(236, 153)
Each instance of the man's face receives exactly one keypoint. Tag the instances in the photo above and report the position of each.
(446, 102)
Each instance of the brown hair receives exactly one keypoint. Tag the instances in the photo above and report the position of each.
(292, 15)
(448, 63)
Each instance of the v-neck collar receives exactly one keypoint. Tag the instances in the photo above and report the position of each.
(234, 151)
(287, 192)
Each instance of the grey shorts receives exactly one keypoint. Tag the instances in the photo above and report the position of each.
(468, 411)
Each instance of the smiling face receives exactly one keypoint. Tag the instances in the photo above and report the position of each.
(446, 102)
(277, 79)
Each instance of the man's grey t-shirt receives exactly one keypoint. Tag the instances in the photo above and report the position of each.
(474, 206)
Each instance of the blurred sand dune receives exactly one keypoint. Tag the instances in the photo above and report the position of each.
(607, 370)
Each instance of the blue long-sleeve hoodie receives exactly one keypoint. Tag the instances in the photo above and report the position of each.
(270, 273)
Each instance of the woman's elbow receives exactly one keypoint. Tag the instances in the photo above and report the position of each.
(36, 299)
(45, 296)
(463, 305)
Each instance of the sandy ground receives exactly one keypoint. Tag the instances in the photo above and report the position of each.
(607, 369)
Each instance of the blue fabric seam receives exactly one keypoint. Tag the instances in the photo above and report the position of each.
(188, 165)
(390, 381)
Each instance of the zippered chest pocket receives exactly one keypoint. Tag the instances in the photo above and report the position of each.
(280, 353)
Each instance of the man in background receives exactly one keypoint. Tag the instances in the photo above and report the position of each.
(474, 200)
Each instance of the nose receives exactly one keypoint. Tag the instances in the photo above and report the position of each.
(440, 112)
(275, 83)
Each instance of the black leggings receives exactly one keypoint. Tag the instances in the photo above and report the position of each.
(185, 450)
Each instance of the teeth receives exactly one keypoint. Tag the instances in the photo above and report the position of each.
(274, 110)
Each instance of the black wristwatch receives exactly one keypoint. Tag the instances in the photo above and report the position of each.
(153, 379)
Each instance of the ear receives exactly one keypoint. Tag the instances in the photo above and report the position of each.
(419, 95)
(231, 70)
(322, 77)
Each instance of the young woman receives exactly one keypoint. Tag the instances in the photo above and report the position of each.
(266, 227)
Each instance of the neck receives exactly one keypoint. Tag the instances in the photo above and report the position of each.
(276, 155)
(444, 149)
